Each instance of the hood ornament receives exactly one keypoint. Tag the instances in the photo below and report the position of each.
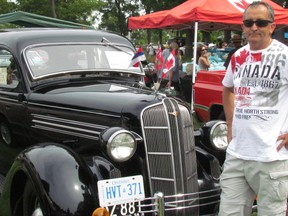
(175, 113)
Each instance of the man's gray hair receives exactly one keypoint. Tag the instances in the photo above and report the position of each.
(265, 4)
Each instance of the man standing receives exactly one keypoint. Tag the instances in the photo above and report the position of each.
(255, 99)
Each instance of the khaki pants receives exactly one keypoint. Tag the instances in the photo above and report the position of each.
(242, 180)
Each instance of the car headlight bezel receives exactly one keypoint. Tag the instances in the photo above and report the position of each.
(120, 144)
(218, 135)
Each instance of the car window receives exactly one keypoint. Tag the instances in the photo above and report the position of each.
(9, 76)
(47, 60)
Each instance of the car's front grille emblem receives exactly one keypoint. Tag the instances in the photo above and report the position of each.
(175, 113)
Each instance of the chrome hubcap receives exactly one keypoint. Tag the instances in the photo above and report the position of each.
(37, 212)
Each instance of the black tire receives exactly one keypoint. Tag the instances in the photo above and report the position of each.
(6, 134)
(31, 201)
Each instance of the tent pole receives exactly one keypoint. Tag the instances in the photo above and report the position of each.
(194, 62)
(129, 35)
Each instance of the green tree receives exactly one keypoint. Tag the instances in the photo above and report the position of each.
(80, 11)
(53, 9)
(115, 15)
(7, 7)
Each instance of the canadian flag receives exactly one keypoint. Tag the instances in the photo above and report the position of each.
(159, 59)
(169, 64)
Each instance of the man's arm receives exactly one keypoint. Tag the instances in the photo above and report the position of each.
(228, 104)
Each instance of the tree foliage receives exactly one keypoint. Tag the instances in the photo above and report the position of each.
(80, 11)
(114, 13)
(7, 7)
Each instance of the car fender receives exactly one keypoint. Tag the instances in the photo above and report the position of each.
(62, 180)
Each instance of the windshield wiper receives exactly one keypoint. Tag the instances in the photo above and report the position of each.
(107, 42)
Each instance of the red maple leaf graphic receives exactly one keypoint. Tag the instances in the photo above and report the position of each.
(169, 63)
(242, 4)
(240, 59)
(159, 59)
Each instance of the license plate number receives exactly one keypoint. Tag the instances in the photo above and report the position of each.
(120, 190)
(126, 209)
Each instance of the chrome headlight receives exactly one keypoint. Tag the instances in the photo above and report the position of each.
(218, 135)
(120, 144)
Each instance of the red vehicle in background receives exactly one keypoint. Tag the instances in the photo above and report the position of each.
(208, 87)
(208, 95)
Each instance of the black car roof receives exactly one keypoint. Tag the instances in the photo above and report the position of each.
(20, 38)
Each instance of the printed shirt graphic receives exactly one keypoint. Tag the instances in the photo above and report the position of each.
(261, 100)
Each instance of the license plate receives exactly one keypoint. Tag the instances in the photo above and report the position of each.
(120, 190)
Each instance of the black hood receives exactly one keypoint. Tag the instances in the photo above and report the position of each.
(107, 98)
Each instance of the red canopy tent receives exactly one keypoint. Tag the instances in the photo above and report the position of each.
(210, 15)
(207, 15)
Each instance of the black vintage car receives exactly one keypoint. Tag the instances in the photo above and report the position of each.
(81, 131)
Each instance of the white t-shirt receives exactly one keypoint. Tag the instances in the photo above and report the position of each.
(260, 81)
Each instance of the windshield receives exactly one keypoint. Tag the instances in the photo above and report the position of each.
(52, 60)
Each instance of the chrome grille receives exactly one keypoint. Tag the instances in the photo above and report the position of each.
(170, 149)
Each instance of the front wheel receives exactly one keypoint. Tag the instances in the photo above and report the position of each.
(31, 201)
(6, 133)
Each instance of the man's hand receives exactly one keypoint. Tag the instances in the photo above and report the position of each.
(284, 138)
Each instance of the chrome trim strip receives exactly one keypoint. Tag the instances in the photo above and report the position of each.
(71, 109)
(171, 141)
(164, 128)
(63, 126)
(163, 179)
(66, 132)
(66, 126)
(8, 99)
(159, 153)
(56, 119)
(179, 141)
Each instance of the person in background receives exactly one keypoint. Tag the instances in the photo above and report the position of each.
(224, 45)
(186, 83)
(255, 104)
(173, 74)
(166, 50)
(151, 52)
(202, 58)
(10, 69)
(180, 65)
(237, 43)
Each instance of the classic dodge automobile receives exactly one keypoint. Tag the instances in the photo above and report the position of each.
(81, 132)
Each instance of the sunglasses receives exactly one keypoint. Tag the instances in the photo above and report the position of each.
(259, 23)
(203, 49)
